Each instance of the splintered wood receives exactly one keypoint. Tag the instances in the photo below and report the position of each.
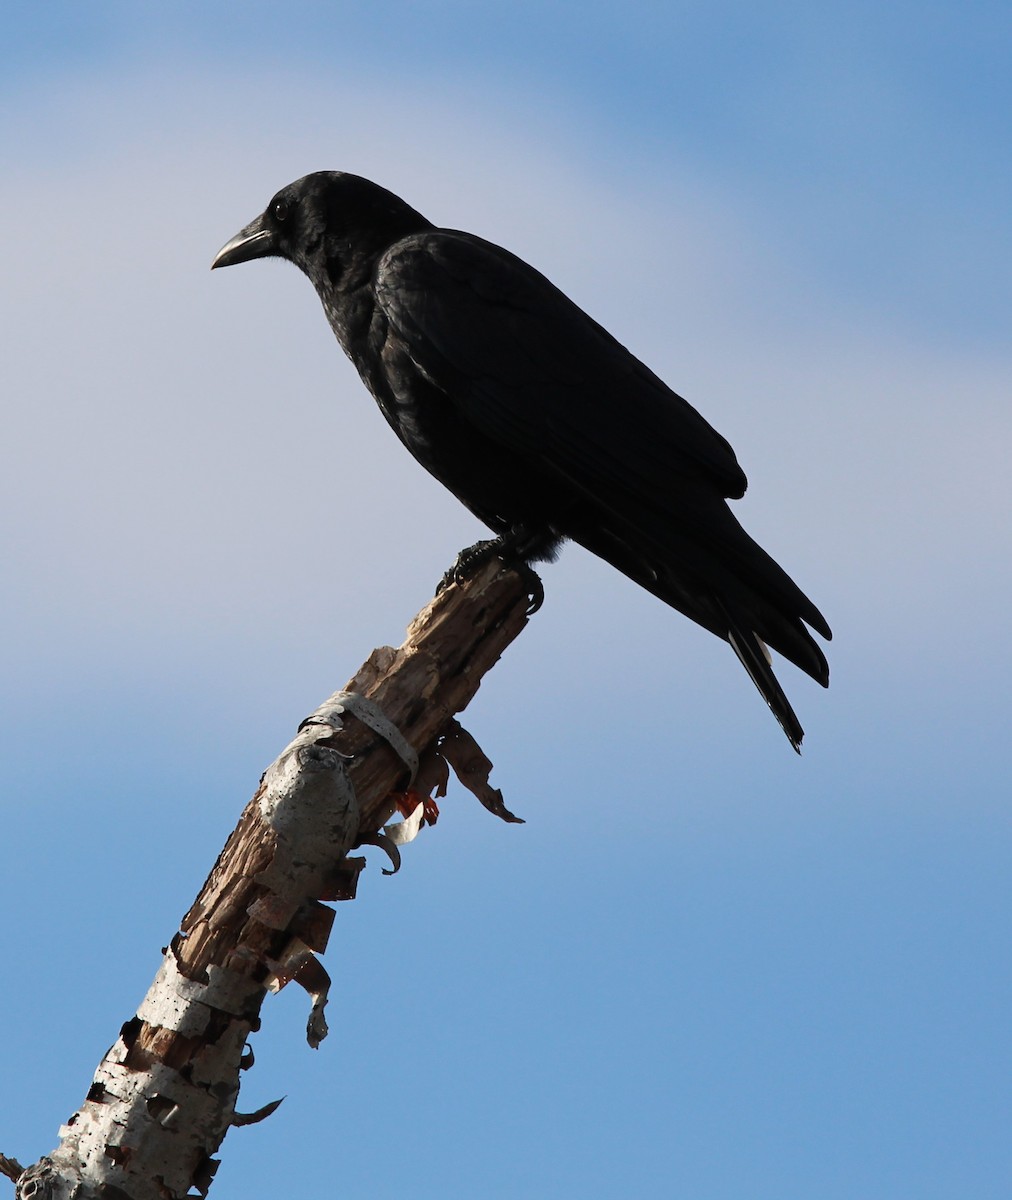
(164, 1096)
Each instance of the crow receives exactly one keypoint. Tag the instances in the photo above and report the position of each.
(535, 417)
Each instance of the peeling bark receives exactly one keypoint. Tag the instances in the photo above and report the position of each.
(164, 1096)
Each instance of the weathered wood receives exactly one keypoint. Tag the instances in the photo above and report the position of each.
(11, 1168)
(164, 1096)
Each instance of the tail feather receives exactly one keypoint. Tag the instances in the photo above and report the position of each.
(755, 658)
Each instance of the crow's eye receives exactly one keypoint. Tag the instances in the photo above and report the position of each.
(281, 210)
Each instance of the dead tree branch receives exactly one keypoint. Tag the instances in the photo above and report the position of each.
(11, 1168)
(164, 1096)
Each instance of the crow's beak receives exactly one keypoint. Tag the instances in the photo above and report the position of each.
(255, 241)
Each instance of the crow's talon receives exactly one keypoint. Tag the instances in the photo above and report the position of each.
(535, 588)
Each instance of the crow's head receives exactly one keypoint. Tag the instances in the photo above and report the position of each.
(330, 224)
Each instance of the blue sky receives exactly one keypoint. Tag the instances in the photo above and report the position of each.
(704, 967)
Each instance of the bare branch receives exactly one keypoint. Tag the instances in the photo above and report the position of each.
(11, 1168)
(164, 1096)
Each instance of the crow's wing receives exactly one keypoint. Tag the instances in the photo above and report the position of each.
(531, 370)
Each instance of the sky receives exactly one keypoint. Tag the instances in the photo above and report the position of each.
(704, 966)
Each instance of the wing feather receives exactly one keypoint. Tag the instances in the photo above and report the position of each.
(529, 368)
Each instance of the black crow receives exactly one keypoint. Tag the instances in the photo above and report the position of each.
(535, 417)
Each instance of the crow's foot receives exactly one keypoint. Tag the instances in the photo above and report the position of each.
(510, 549)
(470, 561)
